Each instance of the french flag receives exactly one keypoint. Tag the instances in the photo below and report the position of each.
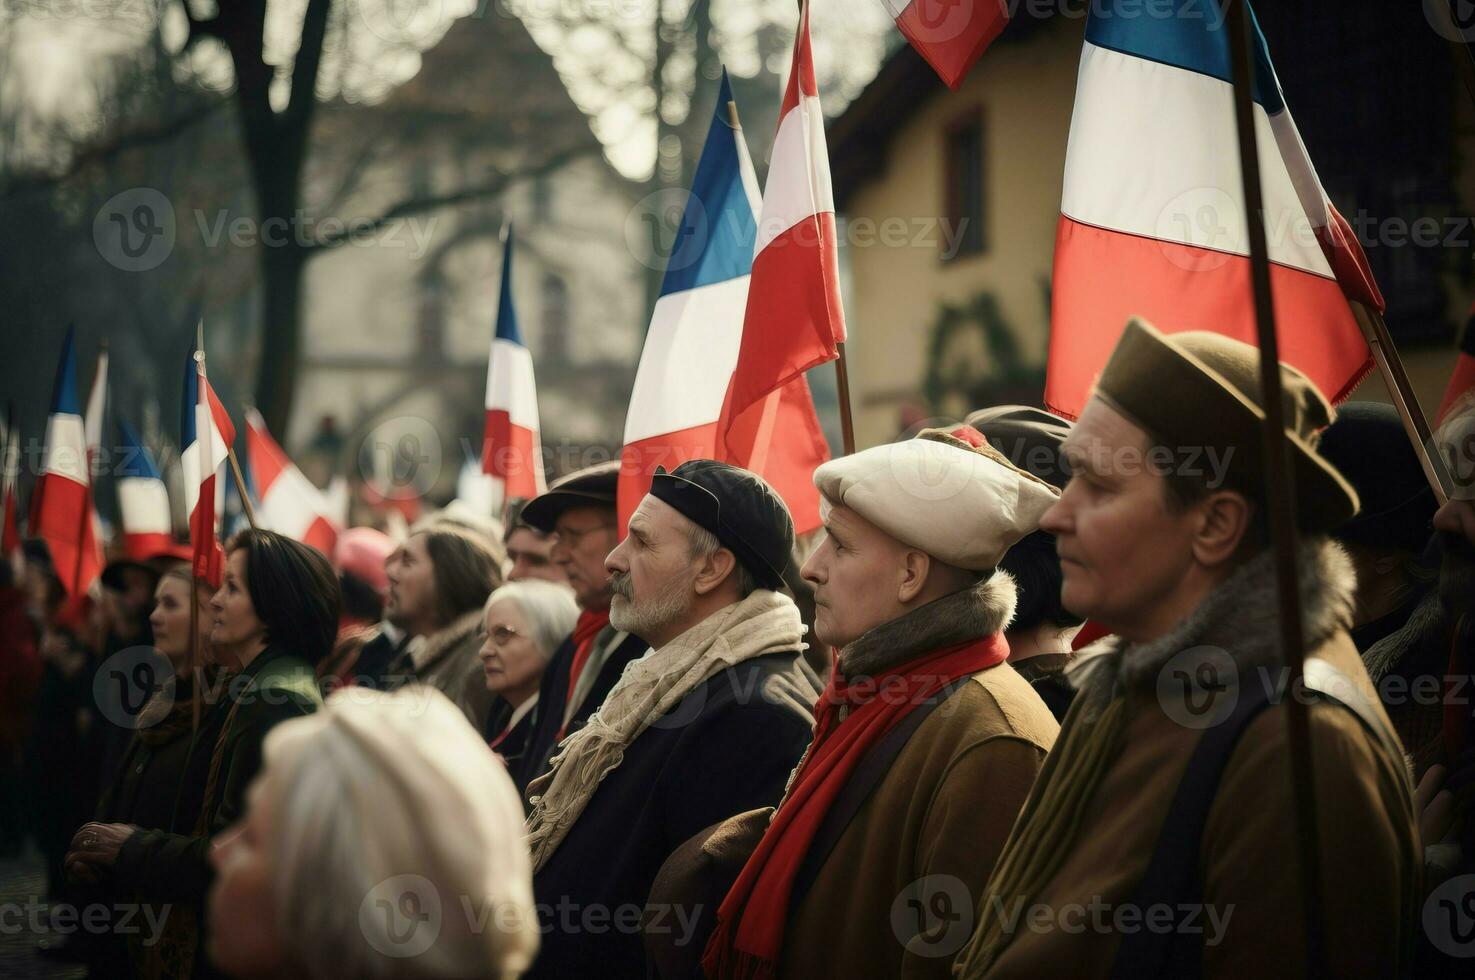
(290, 504)
(1152, 214)
(510, 448)
(793, 320)
(143, 500)
(695, 332)
(63, 506)
(206, 434)
(949, 34)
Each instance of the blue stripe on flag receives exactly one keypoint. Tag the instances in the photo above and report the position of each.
(64, 391)
(1190, 34)
(136, 459)
(506, 315)
(714, 242)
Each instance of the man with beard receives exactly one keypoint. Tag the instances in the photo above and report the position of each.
(706, 725)
(578, 516)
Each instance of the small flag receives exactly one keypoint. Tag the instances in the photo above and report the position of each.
(143, 500)
(63, 509)
(949, 34)
(793, 318)
(1152, 216)
(290, 503)
(206, 433)
(692, 346)
(510, 447)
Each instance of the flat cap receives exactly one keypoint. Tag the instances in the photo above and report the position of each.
(738, 507)
(949, 494)
(593, 486)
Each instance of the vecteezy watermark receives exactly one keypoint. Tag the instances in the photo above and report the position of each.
(39, 918)
(1454, 444)
(137, 230)
(127, 680)
(933, 916)
(1198, 687)
(401, 457)
(401, 916)
(1449, 917)
(1102, 917)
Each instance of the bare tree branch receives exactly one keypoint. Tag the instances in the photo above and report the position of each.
(476, 192)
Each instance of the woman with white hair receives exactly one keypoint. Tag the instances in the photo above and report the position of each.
(382, 840)
(523, 624)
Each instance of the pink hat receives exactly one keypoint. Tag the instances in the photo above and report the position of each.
(362, 552)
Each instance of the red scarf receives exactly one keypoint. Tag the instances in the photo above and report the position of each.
(750, 922)
(585, 630)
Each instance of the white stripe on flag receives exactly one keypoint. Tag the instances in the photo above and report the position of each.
(798, 149)
(66, 448)
(1176, 178)
(510, 385)
(689, 356)
(144, 505)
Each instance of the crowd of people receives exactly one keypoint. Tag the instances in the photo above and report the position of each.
(1018, 709)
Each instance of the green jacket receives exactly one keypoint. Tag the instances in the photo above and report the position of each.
(173, 865)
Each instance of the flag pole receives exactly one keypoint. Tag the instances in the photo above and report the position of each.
(1280, 485)
(1375, 330)
(842, 381)
(230, 451)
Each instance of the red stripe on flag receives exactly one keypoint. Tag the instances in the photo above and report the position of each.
(801, 68)
(639, 459)
(150, 544)
(322, 536)
(208, 557)
(1102, 278)
(64, 521)
(507, 453)
(1348, 261)
(783, 443)
(951, 35)
(266, 458)
(793, 300)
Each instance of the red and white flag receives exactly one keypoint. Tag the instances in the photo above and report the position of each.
(290, 503)
(949, 34)
(207, 434)
(793, 319)
(511, 450)
(62, 508)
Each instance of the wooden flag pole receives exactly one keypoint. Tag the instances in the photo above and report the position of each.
(1375, 330)
(1280, 486)
(842, 381)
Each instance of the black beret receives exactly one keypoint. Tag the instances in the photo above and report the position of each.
(593, 486)
(1368, 443)
(1030, 437)
(738, 507)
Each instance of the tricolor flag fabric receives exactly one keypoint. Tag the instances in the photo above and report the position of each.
(206, 435)
(1461, 389)
(62, 510)
(1152, 214)
(290, 503)
(793, 319)
(695, 332)
(510, 448)
(949, 34)
(143, 500)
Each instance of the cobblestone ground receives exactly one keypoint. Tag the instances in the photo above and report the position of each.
(23, 888)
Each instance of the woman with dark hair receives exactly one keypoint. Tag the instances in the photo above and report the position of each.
(273, 618)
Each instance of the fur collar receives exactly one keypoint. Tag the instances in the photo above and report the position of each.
(970, 614)
(1239, 616)
(440, 643)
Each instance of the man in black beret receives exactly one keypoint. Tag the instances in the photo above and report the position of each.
(708, 724)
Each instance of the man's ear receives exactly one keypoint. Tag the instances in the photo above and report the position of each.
(714, 570)
(1224, 520)
(914, 569)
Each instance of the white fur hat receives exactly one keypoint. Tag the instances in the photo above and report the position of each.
(949, 494)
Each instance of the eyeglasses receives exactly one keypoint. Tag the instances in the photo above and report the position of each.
(570, 537)
(503, 635)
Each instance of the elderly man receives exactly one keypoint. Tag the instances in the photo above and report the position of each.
(707, 725)
(927, 741)
(578, 515)
(1162, 836)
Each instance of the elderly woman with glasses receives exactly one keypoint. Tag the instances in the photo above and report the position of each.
(523, 623)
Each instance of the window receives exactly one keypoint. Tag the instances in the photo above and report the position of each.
(963, 179)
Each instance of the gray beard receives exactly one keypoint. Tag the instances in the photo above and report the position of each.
(647, 617)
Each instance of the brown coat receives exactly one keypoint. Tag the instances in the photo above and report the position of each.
(935, 823)
(450, 662)
(1249, 862)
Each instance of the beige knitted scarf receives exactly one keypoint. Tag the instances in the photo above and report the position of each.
(765, 622)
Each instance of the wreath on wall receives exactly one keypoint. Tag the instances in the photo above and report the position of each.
(954, 383)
